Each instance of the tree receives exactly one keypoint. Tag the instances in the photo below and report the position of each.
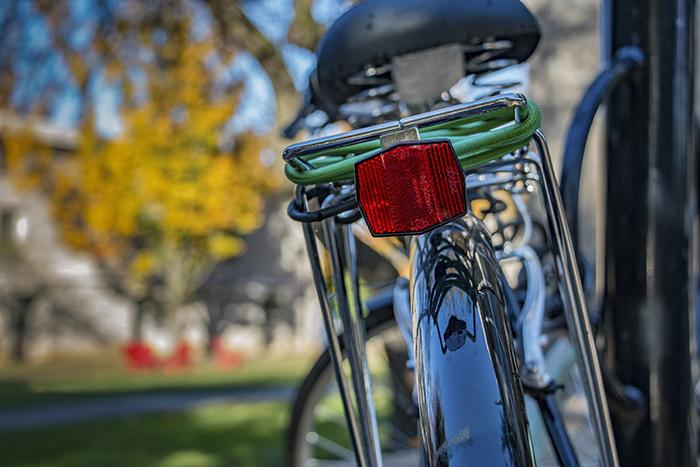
(161, 204)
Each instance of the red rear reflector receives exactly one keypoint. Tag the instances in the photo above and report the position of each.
(410, 188)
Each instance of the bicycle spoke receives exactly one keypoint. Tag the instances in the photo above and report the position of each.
(331, 415)
(331, 447)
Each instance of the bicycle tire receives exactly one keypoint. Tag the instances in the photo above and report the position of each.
(377, 321)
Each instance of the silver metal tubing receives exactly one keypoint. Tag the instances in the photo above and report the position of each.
(354, 334)
(334, 348)
(575, 306)
(341, 139)
(447, 114)
(475, 181)
(369, 454)
(517, 168)
(455, 112)
(402, 312)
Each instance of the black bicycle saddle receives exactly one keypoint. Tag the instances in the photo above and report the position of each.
(372, 32)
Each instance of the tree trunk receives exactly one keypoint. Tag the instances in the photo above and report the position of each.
(19, 322)
(137, 323)
(214, 323)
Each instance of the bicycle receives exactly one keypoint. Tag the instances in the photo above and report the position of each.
(456, 183)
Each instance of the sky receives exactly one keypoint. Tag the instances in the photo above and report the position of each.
(273, 18)
(256, 109)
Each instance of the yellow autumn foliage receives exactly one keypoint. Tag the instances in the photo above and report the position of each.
(163, 201)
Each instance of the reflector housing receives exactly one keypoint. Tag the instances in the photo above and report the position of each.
(410, 188)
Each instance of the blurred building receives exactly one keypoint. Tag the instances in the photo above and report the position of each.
(53, 299)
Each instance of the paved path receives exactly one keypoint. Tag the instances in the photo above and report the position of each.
(98, 408)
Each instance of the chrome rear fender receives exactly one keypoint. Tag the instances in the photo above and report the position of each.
(469, 393)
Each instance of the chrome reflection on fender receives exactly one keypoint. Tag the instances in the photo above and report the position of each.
(469, 394)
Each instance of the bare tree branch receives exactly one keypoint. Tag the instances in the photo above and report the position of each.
(304, 31)
(238, 32)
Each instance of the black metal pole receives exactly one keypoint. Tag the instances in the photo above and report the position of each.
(651, 207)
(627, 60)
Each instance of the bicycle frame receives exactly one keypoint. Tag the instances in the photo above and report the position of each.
(356, 392)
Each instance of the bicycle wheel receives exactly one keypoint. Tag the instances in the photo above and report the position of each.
(318, 435)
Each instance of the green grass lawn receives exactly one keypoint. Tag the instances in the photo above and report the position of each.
(235, 435)
(81, 377)
(230, 435)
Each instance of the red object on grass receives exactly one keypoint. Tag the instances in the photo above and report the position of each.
(181, 357)
(224, 357)
(139, 356)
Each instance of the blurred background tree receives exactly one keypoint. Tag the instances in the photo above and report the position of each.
(162, 190)
(159, 205)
